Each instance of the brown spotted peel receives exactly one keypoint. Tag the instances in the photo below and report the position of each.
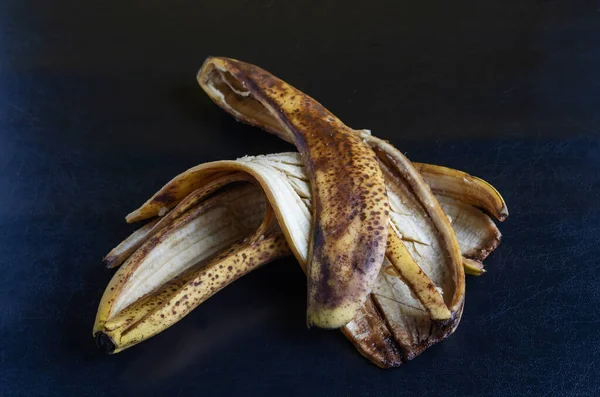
(347, 185)
(385, 259)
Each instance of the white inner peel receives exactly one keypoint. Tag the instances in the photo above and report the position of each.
(130, 242)
(474, 230)
(293, 213)
(420, 236)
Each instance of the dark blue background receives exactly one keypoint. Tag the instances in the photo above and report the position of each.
(99, 107)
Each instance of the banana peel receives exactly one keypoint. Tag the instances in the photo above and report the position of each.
(385, 244)
(347, 184)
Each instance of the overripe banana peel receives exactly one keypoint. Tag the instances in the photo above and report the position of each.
(346, 183)
(383, 259)
(212, 236)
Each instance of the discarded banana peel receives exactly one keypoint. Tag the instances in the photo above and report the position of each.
(385, 244)
(347, 185)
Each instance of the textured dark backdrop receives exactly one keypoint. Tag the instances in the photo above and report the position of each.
(99, 107)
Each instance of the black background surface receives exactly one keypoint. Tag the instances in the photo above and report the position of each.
(99, 107)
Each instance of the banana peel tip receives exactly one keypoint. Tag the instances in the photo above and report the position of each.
(105, 343)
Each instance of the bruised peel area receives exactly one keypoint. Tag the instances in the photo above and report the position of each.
(346, 183)
(371, 336)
